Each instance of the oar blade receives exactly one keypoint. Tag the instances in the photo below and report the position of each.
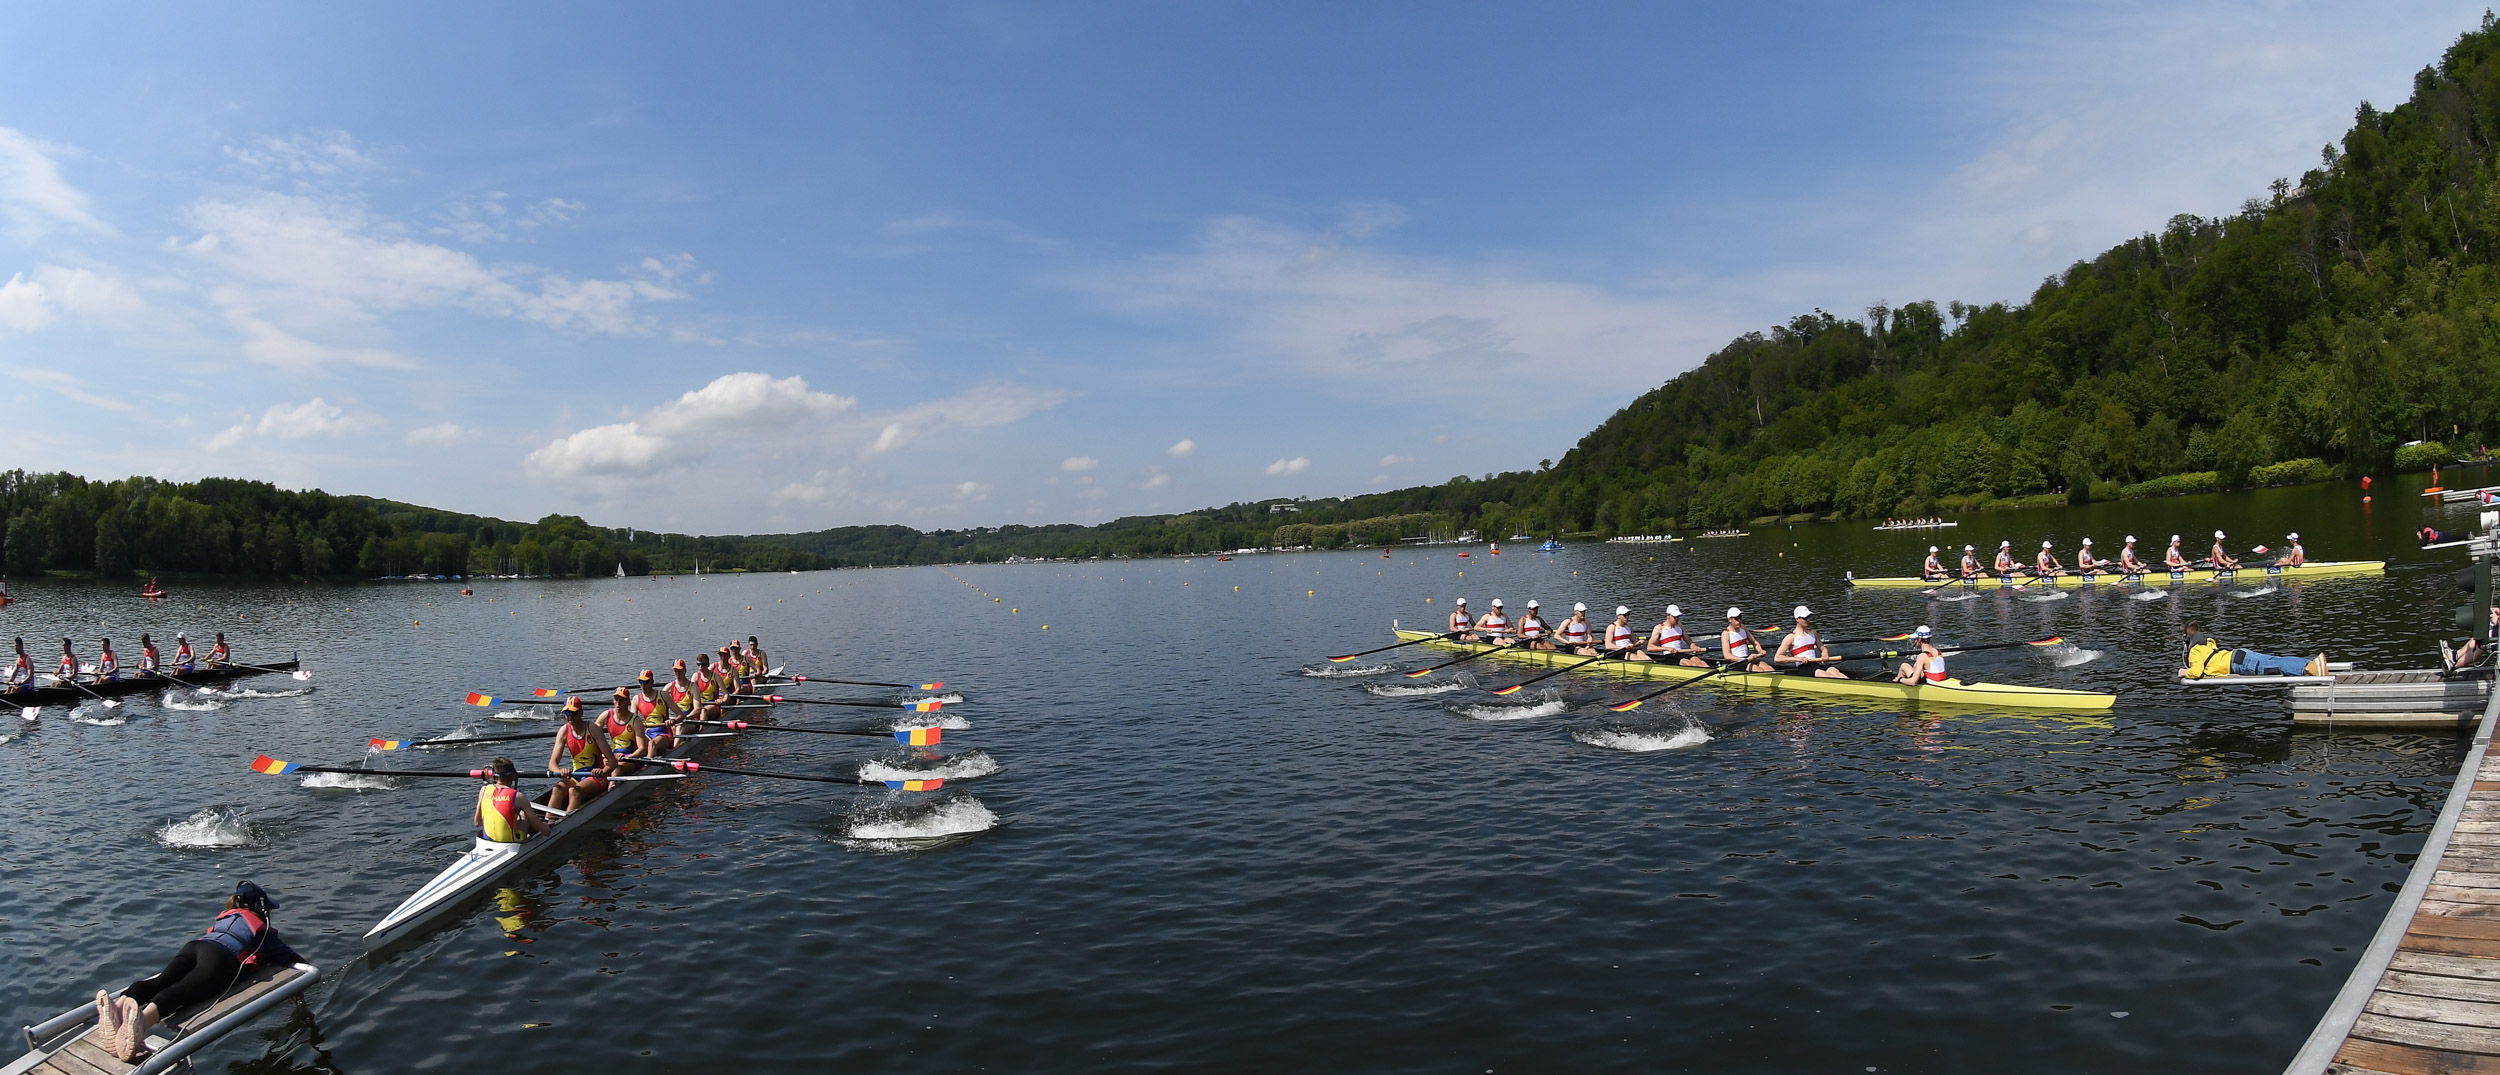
(2049, 641)
(931, 784)
(1331, 660)
(1626, 707)
(925, 705)
(1506, 692)
(482, 701)
(919, 737)
(547, 692)
(272, 766)
(385, 744)
(1419, 673)
(933, 686)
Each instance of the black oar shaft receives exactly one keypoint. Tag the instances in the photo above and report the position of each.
(1444, 636)
(828, 701)
(697, 767)
(881, 733)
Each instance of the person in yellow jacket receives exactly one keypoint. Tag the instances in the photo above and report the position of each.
(2209, 657)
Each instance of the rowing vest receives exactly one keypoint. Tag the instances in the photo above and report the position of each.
(2005, 561)
(499, 814)
(1531, 627)
(2218, 556)
(620, 731)
(183, 657)
(680, 699)
(1970, 564)
(2044, 563)
(1741, 646)
(1618, 636)
(1935, 566)
(2085, 562)
(704, 689)
(1935, 668)
(645, 705)
(147, 660)
(584, 754)
(1668, 636)
(238, 932)
(21, 670)
(1495, 623)
(1458, 621)
(1800, 642)
(108, 664)
(220, 654)
(1575, 631)
(69, 666)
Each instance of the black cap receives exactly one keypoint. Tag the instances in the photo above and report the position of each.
(254, 898)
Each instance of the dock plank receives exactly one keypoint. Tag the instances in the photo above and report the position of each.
(91, 1057)
(2450, 1037)
(2445, 966)
(2466, 1013)
(2359, 1057)
(2439, 985)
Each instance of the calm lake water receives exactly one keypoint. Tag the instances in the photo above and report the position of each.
(1204, 848)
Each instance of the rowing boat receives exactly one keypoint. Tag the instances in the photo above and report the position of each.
(486, 861)
(60, 1045)
(1949, 692)
(2315, 569)
(135, 683)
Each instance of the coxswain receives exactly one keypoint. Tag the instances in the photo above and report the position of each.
(580, 761)
(2084, 563)
(1575, 632)
(69, 664)
(1970, 562)
(1532, 628)
(183, 657)
(2128, 561)
(1927, 665)
(502, 814)
(2221, 560)
(108, 667)
(2045, 565)
(2294, 555)
(1461, 627)
(238, 941)
(1933, 569)
(21, 668)
(1622, 642)
(1804, 646)
(218, 655)
(2174, 559)
(149, 664)
(1736, 644)
(624, 727)
(2005, 566)
(1494, 626)
(1668, 640)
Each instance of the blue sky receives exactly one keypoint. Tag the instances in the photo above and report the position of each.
(783, 268)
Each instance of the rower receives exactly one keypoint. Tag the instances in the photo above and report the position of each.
(502, 815)
(1494, 627)
(1669, 640)
(2222, 561)
(1460, 626)
(218, 655)
(623, 727)
(580, 761)
(1622, 642)
(681, 692)
(755, 659)
(2174, 559)
(2294, 556)
(705, 689)
(183, 658)
(108, 668)
(1804, 646)
(21, 675)
(2045, 565)
(1970, 562)
(69, 664)
(1927, 665)
(2127, 560)
(2084, 563)
(1933, 569)
(1574, 632)
(1736, 644)
(1532, 628)
(2005, 559)
(149, 665)
(652, 707)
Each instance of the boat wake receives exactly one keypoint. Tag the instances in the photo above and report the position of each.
(1643, 741)
(1956, 594)
(1346, 671)
(216, 826)
(2045, 598)
(945, 824)
(255, 692)
(2254, 591)
(2068, 655)
(965, 766)
(112, 718)
(948, 721)
(349, 782)
(1463, 682)
(948, 698)
(1545, 705)
(172, 700)
(8, 739)
(2148, 595)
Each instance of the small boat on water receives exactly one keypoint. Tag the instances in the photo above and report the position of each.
(1550, 545)
(134, 683)
(59, 1045)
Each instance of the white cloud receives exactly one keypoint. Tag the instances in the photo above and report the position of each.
(34, 199)
(494, 218)
(315, 417)
(1282, 467)
(23, 304)
(1183, 450)
(689, 427)
(1394, 460)
(438, 435)
(30, 304)
(320, 153)
(973, 491)
(65, 385)
(1157, 481)
(1379, 479)
(979, 407)
(1078, 464)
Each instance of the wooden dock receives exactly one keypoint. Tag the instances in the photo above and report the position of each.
(2425, 997)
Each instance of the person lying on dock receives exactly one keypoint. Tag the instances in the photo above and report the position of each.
(502, 814)
(2207, 657)
(2470, 652)
(2432, 536)
(239, 940)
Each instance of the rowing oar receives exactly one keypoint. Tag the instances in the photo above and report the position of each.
(1515, 687)
(1442, 637)
(411, 744)
(296, 673)
(275, 767)
(109, 703)
(939, 685)
(1626, 707)
(925, 705)
(1883, 653)
(916, 737)
(929, 784)
(1489, 648)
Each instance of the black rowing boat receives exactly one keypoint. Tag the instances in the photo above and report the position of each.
(134, 683)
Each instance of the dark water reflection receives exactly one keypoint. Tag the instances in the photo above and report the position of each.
(1206, 859)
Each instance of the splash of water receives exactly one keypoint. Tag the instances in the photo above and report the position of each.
(945, 822)
(2068, 655)
(216, 826)
(2149, 595)
(948, 721)
(172, 700)
(1546, 705)
(1643, 741)
(1955, 595)
(1401, 690)
(255, 692)
(2044, 598)
(2253, 591)
(112, 718)
(965, 766)
(1346, 671)
(349, 782)
(948, 698)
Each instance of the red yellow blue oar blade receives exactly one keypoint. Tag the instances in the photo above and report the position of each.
(1626, 707)
(916, 785)
(385, 744)
(919, 737)
(547, 692)
(482, 701)
(1509, 690)
(925, 705)
(272, 766)
(933, 686)
(2049, 641)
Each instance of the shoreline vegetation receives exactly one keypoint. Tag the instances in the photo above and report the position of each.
(2345, 324)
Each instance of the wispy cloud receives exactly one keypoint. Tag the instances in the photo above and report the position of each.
(1283, 467)
(34, 199)
(315, 154)
(1394, 460)
(435, 436)
(65, 385)
(315, 417)
(1183, 450)
(1079, 464)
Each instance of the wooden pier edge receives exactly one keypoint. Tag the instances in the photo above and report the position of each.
(2318, 1054)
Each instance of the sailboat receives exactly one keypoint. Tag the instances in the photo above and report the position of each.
(620, 569)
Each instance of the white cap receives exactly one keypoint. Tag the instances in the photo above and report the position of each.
(1674, 610)
(1623, 610)
(2131, 539)
(2044, 544)
(1734, 612)
(1579, 606)
(2087, 541)
(179, 634)
(1970, 548)
(1532, 602)
(2006, 544)
(1461, 601)
(1803, 612)
(2217, 535)
(2174, 539)
(2293, 536)
(1932, 548)
(1922, 632)
(1497, 602)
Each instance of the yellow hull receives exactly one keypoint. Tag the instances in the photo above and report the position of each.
(1950, 692)
(2315, 570)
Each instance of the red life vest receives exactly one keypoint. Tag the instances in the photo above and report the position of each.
(244, 944)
